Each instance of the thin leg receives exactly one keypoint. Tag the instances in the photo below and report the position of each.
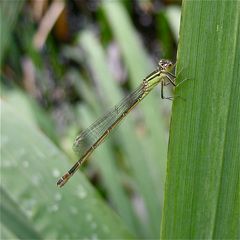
(170, 80)
(179, 72)
(162, 86)
(184, 80)
(162, 90)
(171, 74)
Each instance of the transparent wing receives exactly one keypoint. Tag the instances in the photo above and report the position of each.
(89, 136)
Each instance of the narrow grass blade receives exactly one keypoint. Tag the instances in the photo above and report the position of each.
(8, 16)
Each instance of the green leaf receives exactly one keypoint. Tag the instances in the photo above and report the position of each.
(202, 185)
(30, 167)
(31, 111)
(15, 220)
(9, 11)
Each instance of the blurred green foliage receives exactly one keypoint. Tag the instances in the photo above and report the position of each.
(50, 94)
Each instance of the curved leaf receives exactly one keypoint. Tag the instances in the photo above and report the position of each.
(30, 167)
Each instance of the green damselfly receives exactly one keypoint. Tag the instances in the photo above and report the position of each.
(89, 139)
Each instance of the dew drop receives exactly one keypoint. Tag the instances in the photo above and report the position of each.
(58, 197)
(81, 192)
(36, 179)
(56, 173)
(93, 225)
(25, 164)
(53, 208)
(29, 213)
(94, 237)
(89, 217)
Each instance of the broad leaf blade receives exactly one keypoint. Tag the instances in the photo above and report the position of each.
(30, 166)
(202, 186)
(14, 220)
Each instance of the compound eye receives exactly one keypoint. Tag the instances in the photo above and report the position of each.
(161, 63)
(165, 64)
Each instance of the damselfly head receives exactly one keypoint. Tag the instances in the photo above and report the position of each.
(165, 65)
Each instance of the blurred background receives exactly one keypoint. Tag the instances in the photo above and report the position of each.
(63, 64)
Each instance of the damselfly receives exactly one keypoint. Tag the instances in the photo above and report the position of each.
(93, 136)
